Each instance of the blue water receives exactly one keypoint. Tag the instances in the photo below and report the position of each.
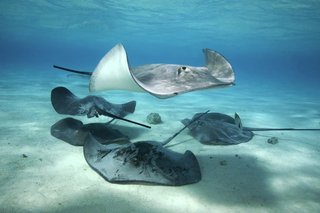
(273, 46)
(273, 39)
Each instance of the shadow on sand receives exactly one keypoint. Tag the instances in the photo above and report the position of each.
(233, 180)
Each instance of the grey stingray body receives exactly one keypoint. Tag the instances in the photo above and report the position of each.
(167, 80)
(141, 162)
(75, 132)
(160, 80)
(218, 129)
(65, 102)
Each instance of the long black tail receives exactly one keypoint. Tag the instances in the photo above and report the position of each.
(177, 133)
(71, 70)
(279, 129)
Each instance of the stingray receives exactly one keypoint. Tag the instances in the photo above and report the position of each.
(66, 103)
(142, 162)
(75, 132)
(160, 80)
(220, 129)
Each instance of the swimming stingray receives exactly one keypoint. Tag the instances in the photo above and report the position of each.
(221, 129)
(65, 102)
(160, 80)
(142, 162)
(75, 132)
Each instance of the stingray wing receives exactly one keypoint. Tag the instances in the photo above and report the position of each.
(142, 162)
(69, 130)
(113, 72)
(218, 66)
(75, 132)
(65, 102)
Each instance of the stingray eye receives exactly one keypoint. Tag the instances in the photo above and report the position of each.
(183, 69)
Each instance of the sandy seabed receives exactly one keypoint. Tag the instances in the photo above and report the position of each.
(40, 173)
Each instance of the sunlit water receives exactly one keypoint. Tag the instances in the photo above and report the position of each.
(273, 47)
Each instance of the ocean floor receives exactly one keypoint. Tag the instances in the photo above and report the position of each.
(40, 173)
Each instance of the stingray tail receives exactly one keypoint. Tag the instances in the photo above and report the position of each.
(280, 129)
(72, 70)
(121, 118)
(177, 133)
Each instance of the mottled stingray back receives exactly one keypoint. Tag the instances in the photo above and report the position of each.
(217, 129)
(142, 162)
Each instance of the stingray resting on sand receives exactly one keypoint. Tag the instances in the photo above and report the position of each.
(139, 162)
(66, 103)
(220, 129)
(160, 80)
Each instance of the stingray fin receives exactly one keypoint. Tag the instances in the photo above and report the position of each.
(113, 72)
(219, 66)
(237, 120)
(95, 151)
(68, 130)
(129, 107)
(61, 98)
